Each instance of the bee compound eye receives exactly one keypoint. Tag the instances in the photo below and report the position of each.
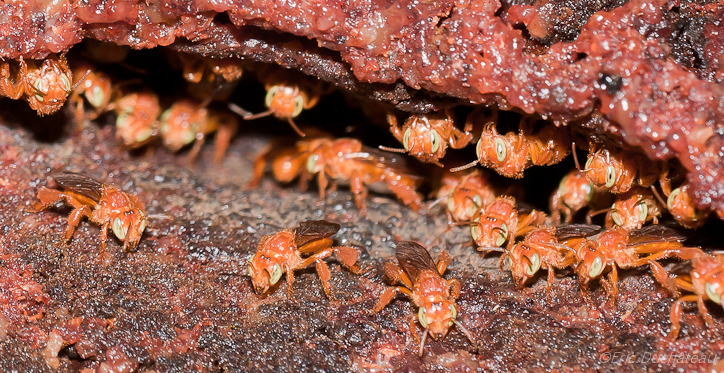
(500, 150)
(422, 317)
(118, 229)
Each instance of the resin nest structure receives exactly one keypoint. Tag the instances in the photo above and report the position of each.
(646, 73)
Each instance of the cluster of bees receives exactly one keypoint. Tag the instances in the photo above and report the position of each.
(529, 240)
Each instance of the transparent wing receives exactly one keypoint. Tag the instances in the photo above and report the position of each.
(413, 259)
(313, 230)
(80, 184)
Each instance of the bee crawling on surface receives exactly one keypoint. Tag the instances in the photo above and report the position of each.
(622, 248)
(423, 282)
(464, 194)
(103, 204)
(499, 223)
(546, 248)
(427, 136)
(186, 122)
(706, 282)
(46, 85)
(282, 252)
(345, 160)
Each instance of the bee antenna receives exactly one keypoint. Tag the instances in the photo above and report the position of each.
(658, 196)
(575, 156)
(422, 342)
(247, 115)
(464, 167)
(594, 213)
(295, 128)
(72, 89)
(467, 334)
(392, 150)
(491, 248)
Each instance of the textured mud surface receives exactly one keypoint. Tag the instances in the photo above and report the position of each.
(182, 301)
(652, 69)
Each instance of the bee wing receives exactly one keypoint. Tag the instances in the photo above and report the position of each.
(383, 159)
(80, 184)
(654, 233)
(565, 232)
(414, 258)
(313, 230)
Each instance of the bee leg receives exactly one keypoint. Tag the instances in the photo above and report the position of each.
(394, 127)
(663, 278)
(74, 218)
(611, 286)
(675, 316)
(47, 197)
(324, 276)
(443, 260)
(259, 166)
(290, 280)
(386, 297)
(704, 312)
(104, 236)
(227, 130)
(551, 279)
(200, 138)
(454, 286)
(348, 256)
(13, 91)
(322, 183)
(359, 191)
(404, 189)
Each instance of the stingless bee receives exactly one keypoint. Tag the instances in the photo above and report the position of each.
(282, 252)
(103, 204)
(422, 281)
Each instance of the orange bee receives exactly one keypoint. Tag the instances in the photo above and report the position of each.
(706, 282)
(288, 93)
(619, 170)
(683, 209)
(346, 160)
(289, 160)
(103, 204)
(427, 136)
(210, 78)
(574, 193)
(282, 253)
(423, 282)
(46, 85)
(186, 122)
(96, 88)
(507, 155)
(465, 194)
(547, 146)
(633, 209)
(548, 248)
(137, 118)
(622, 248)
(498, 222)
